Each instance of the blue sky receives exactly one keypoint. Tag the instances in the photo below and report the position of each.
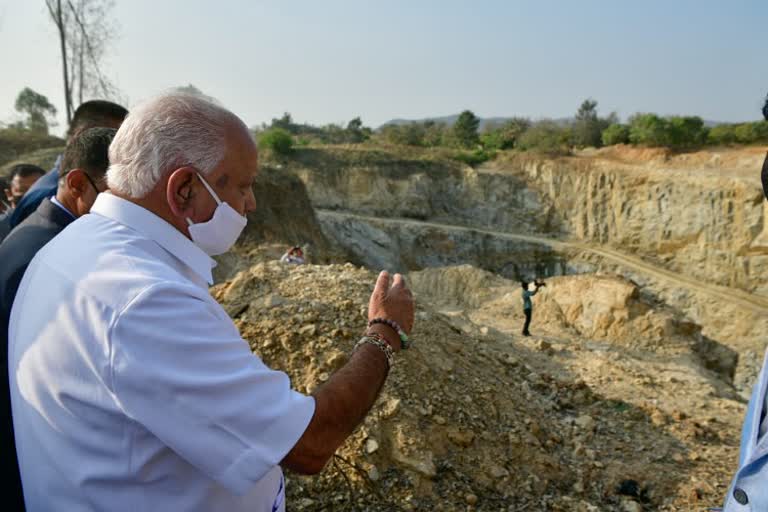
(329, 61)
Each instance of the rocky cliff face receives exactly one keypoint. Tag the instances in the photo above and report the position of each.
(403, 246)
(381, 184)
(707, 224)
(692, 216)
(283, 217)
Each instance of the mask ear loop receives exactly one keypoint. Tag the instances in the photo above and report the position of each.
(210, 190)
(208, 187)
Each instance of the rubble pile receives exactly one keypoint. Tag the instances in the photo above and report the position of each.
(472, 419)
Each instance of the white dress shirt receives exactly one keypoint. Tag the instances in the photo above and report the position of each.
(132, 389)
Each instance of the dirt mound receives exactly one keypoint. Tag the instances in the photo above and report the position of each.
(465, 420)
(597, 307)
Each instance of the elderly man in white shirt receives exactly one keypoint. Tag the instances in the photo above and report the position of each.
(131, 387)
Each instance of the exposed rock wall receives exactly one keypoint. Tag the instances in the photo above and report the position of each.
(703, 224)
(404, 247)
(383, 185)
(708, 223)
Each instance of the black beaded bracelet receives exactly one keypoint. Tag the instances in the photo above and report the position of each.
(404, 341)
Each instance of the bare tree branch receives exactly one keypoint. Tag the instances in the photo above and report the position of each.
(91, 54)
(54, 9)
(84, 33)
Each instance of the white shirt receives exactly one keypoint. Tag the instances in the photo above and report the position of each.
(132, 389)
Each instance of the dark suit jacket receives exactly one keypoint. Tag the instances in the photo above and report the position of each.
(16, 252)
(5, 225)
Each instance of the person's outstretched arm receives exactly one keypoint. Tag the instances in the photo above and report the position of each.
(343, 402)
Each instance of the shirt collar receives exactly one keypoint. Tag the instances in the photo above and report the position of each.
(58, 203)
(153, 227)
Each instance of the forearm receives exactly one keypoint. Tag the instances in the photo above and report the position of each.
(340, 405)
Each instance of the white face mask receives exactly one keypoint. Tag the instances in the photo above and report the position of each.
(217, 235)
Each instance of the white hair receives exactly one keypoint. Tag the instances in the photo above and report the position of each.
(164, 133)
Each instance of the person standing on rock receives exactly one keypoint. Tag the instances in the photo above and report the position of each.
(749, 488)
(528, 303)
(131, 387)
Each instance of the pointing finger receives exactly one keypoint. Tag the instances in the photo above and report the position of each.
(382, 283)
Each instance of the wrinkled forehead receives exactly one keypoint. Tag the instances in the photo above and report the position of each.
(241, 157)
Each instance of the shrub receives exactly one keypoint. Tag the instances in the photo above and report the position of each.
(504, 136)
(16, 141)
(277, 140)
(615, 134)
(648, 130)
(741, 133)
(546, 137)
(686, 132)
(475, 157)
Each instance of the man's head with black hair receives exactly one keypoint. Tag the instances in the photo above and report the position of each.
(82, 175)
(96, 113)
(21, 178)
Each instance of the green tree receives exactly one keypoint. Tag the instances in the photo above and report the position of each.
(749, 133)
(506, 135)
(356, 132)
(465, 130)
(434, 134)
(37, 108)
(615, 134)
(546, 137)
(587, 127)
(284, 123)
(722, 134)
(277, 140)
(410, 134)
(685, 132)
(648, 130)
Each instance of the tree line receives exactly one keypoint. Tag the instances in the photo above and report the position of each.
(470, 144)
(586, 129)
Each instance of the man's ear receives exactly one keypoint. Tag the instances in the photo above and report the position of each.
(8, 195)
(180, 192)
(76, 182)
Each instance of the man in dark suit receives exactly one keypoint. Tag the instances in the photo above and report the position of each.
(88, 115)
(21, 179)
(81, 178)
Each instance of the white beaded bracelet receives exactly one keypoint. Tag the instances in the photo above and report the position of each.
(377, 340)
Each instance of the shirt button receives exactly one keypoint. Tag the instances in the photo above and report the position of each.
(740, 496)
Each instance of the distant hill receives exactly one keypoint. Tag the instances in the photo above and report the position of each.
(484, 121)
(447, 120)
